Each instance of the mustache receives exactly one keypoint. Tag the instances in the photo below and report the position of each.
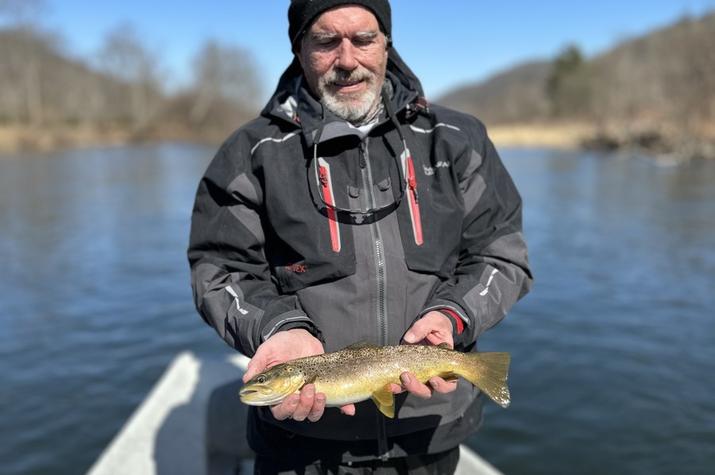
(341, 75)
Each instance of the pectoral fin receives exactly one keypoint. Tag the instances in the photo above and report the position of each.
(385, 402)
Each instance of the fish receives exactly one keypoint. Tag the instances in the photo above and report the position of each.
(363, 371)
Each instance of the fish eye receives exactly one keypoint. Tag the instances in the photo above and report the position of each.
(260, 379)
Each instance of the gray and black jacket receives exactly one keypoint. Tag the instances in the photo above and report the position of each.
(303, 220)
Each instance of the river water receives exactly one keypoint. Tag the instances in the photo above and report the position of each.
(613, 353)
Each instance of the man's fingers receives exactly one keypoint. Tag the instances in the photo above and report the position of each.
(438, 338)
(305, 404)
(348, 410)
(442, 386)
(318, 408)
(285, 409)
(396, 388)
(412, 384)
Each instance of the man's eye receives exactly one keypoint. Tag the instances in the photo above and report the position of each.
(326, 43)
(363, 43)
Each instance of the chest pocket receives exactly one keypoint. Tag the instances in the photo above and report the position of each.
(430, 216)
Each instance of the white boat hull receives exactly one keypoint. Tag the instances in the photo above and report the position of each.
(177, 429)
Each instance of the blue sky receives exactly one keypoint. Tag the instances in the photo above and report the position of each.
(446, 43)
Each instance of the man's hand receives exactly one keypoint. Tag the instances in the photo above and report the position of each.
(433, 329)
(284, 346)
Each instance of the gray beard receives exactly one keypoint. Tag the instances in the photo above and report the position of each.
(364, 112)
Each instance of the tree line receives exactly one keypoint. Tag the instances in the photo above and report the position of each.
(654, 90)
(124, 86)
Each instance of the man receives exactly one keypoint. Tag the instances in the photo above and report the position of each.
(350, 211)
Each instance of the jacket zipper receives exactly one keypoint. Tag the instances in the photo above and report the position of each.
(378, 246)
(326, 189)
(380, 274)
(408, 169)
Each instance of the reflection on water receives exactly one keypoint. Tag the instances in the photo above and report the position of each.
(94, 296)
(612, 351)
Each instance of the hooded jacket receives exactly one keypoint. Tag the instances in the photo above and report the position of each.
(303, 220)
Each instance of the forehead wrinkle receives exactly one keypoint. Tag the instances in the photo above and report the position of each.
(345, 20)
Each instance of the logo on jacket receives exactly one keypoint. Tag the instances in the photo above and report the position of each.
(429, 171)
(297, 268)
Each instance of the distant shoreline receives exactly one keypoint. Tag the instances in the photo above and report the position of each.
(21, 139)
(558, 135)
(18, 139)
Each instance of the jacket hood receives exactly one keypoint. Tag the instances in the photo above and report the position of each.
(284, 101)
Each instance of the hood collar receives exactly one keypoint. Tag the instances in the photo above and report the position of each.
(292, 101)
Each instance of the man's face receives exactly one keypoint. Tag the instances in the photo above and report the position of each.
(344, 58)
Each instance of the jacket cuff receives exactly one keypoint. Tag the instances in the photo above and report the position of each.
(289, 321)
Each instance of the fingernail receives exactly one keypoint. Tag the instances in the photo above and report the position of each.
(410, 337)
(405, 378)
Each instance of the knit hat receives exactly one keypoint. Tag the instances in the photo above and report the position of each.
(302, 13)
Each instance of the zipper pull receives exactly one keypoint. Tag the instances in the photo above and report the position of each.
(363, 152)
(411, 178)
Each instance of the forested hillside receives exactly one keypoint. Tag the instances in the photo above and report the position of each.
(47, 96)
(655, 91)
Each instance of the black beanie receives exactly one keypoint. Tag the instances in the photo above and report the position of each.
(302, 13)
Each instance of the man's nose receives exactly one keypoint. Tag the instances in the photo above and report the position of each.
(346, 55)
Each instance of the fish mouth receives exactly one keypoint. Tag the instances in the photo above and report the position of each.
(259, 397)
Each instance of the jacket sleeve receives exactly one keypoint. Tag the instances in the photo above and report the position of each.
(233, 288)
(492, 272)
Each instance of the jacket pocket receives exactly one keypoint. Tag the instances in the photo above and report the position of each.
(294, 276)
(430, 218)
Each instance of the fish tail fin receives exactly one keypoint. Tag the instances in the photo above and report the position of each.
(489, 372)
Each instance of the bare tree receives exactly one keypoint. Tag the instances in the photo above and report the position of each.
(223, 74)
(21, 15)
(124, 57)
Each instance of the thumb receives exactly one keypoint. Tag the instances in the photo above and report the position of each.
(416, 333)
(255, 366)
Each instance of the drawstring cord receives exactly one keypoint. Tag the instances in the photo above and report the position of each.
(409, 170)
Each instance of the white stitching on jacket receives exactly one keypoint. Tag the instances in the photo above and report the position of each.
(489, 282)
(233, 294)
(271, 139)
(429, 131)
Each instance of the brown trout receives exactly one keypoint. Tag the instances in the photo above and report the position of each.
(362, 372)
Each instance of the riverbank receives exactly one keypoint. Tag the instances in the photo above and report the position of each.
(14, 139)
(26, 138)
(660, 141)
(561, 136)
